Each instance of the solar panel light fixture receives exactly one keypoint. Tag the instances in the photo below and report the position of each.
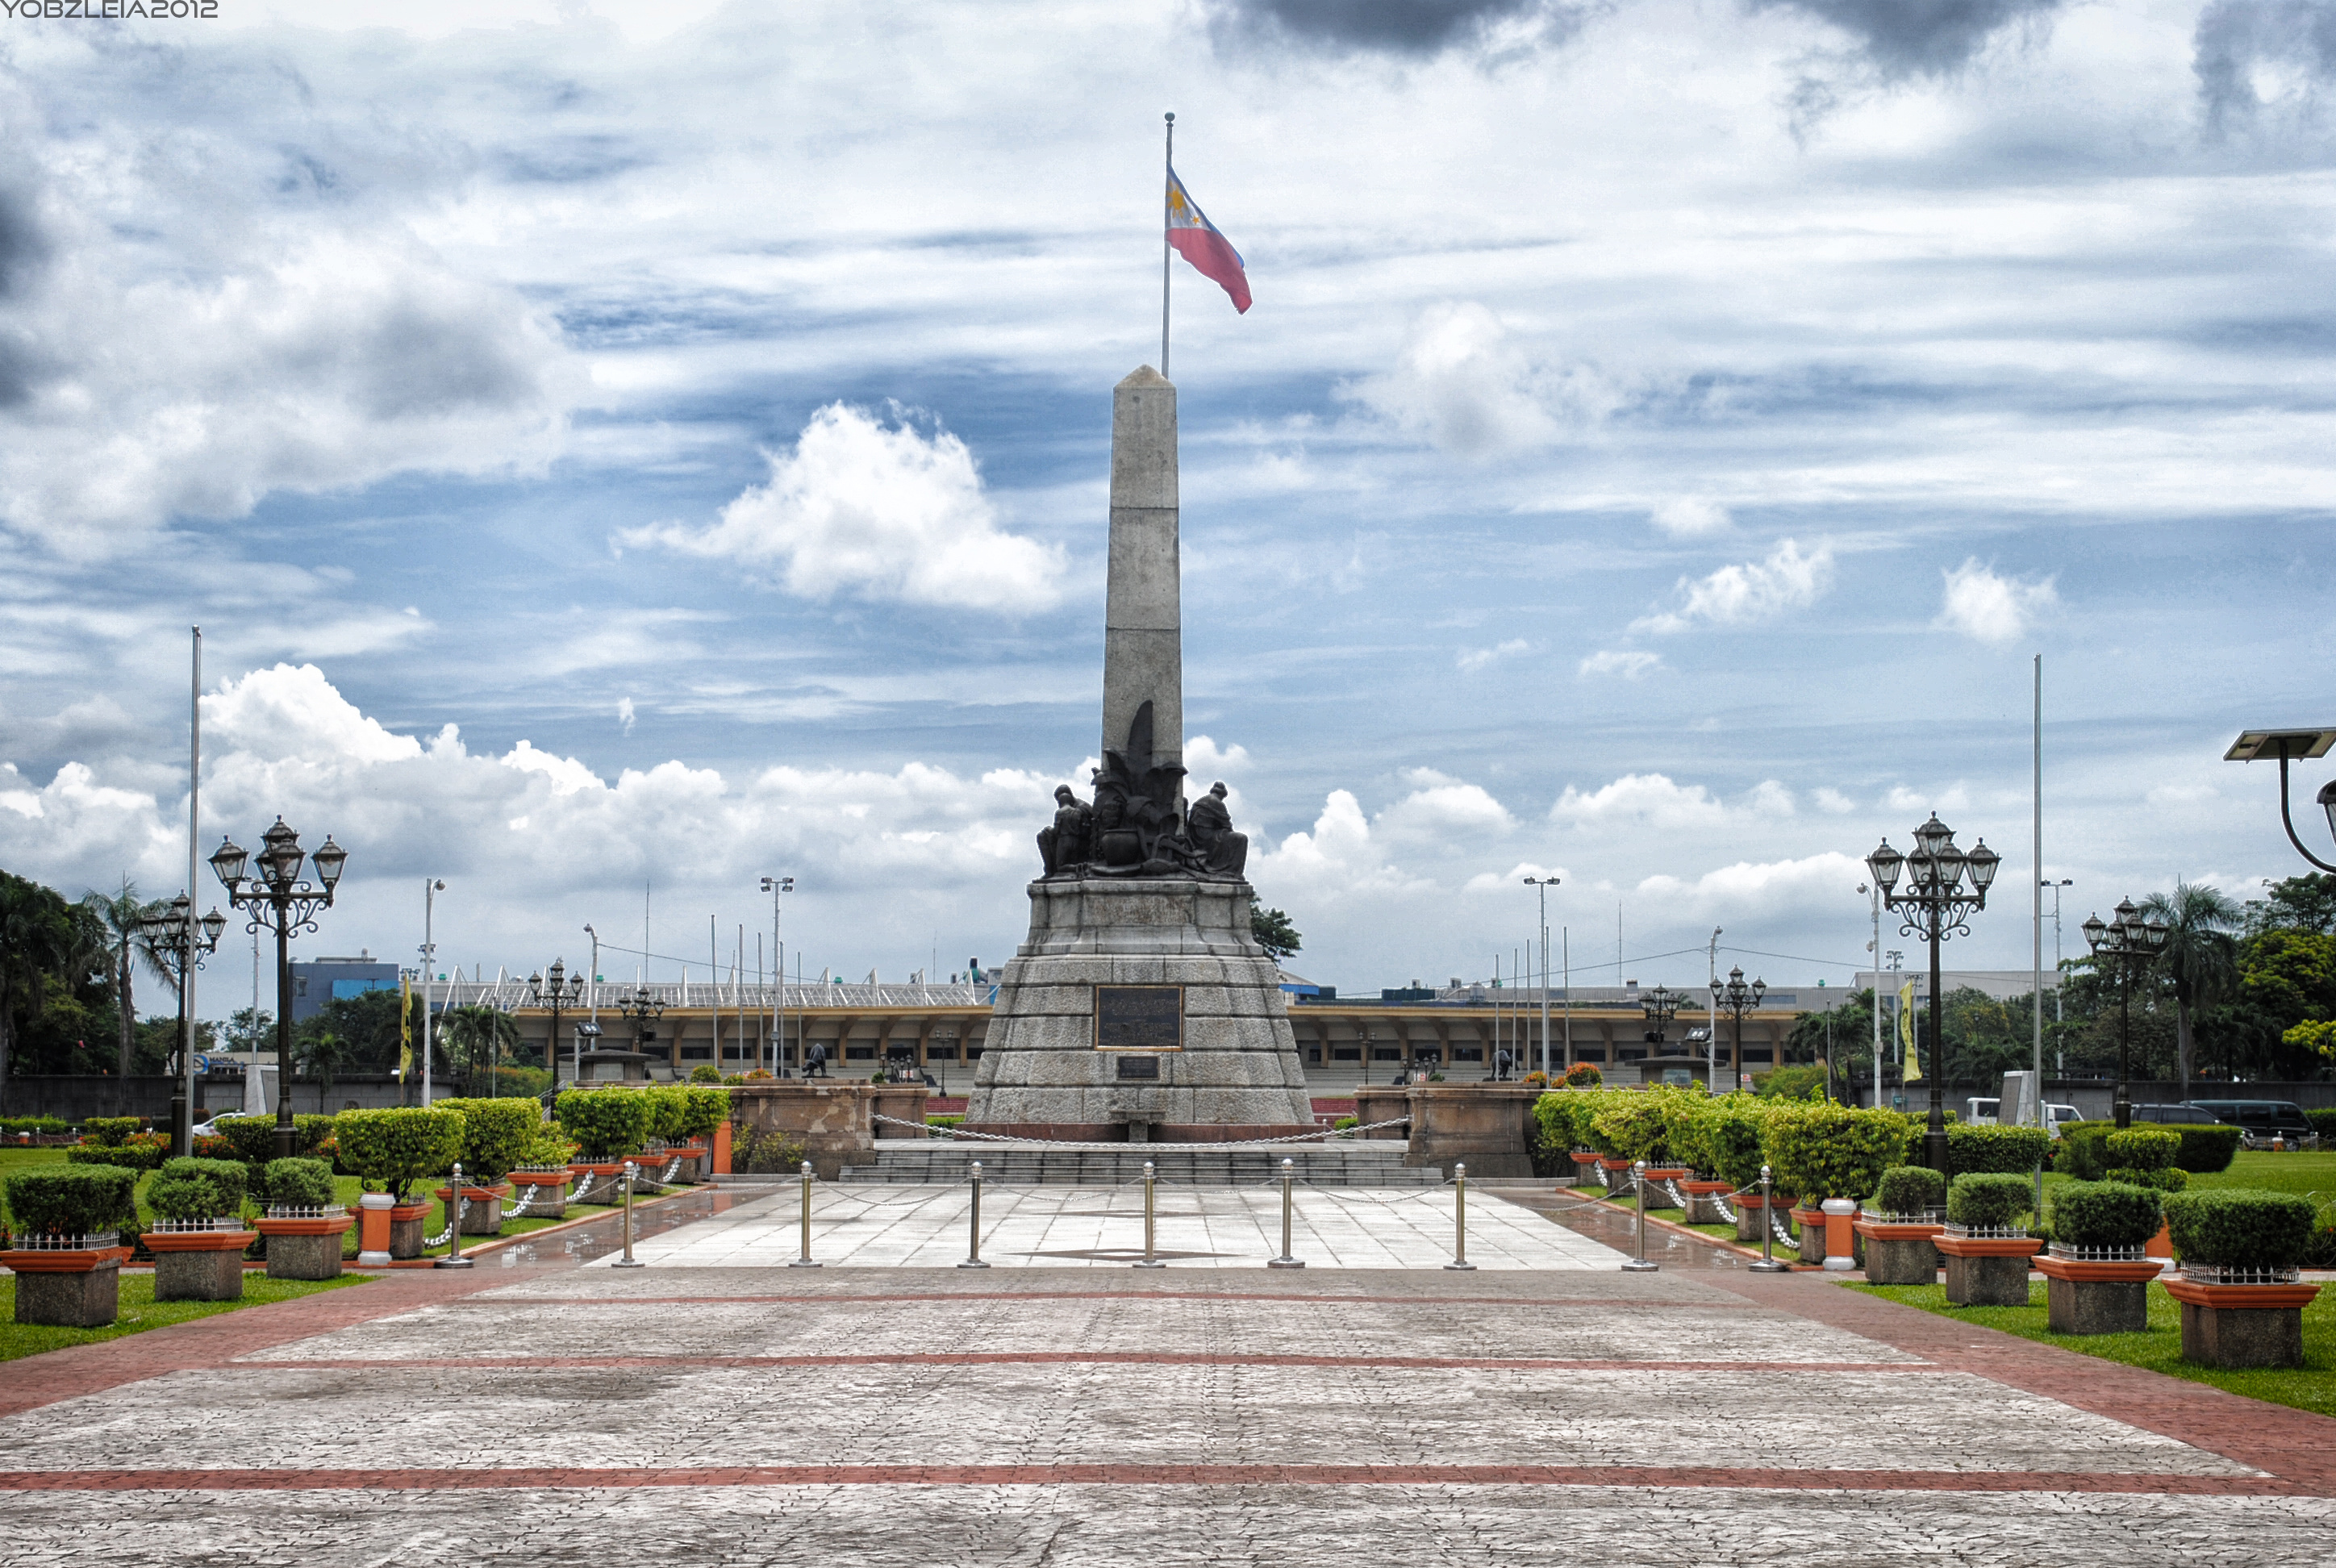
(2292, 745)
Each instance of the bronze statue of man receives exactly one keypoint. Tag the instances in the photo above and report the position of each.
(1209, 827)
(1069, 843)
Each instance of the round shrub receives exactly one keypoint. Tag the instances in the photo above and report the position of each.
(2239, 1227)
(1990, 1198)
(606, 1123)
(229, 1178)
(184, 1195)
(109, 1132)
(1909, 1190)
(705, 1073)
(299, 1183)
(1823, 1150)
(393, 1149)
(2144, 1148)
(254, 1137)
(705, 1110)
(139, 1151)
(1583, 1076)
(2105, 1214)
(668, 1110)
(71, 1200)
(495, 1132)
(2010, 1150)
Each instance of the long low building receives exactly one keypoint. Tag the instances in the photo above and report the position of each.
(668, 1029)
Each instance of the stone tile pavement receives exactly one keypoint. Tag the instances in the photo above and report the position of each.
(557, 1412)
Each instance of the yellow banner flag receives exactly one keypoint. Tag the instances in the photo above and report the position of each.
(1914, 1063)
(405, 1026)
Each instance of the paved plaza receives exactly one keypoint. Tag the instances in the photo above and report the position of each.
(716, 1406)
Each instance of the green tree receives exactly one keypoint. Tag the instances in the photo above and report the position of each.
(1274, 932)
(36, 938)
(366, 1025)
(114, 924)
(321, 1056)
(2201, 957)
(2304, 904)
(250, 1029)
(477, 1037)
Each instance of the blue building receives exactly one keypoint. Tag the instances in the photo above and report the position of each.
(320, 980)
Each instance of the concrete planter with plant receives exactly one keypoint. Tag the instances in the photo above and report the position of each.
(391, 1150)
(303, 1225)
(1900, 1226)
(1821, 1151)
(2097, 1274)
(1985, 1245)
(198, 1237)
(2241, 1291)
(64, 1232)
(495, 1137)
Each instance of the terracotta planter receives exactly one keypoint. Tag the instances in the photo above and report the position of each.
(198, 1265)
(545, 1192)
(598, 1177)
(1811, 1224)
(1752, 1214)
(1615, 1174)
(304, 1246)
(2161, 1245)
(406, 1230)
(1900, 1252)
(1986, 1270)
(484, 1217)
(2088, 1296)
(70, 1288)
(2237, 1325)
(1702, 1207)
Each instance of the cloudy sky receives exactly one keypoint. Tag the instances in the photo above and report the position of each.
(613, 445)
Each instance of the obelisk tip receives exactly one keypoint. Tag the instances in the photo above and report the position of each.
(1144, 375)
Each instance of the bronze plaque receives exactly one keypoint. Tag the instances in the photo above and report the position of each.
(1139, 1018)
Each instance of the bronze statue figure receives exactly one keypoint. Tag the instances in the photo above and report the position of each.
(1065, 847)
(1221, 851)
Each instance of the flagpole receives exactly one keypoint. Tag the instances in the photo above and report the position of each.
(1170, 165)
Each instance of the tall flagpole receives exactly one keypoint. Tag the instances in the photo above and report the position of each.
(182, 1120)
(2038, 891)
(1170, 165)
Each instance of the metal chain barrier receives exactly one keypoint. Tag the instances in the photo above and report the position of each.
(960, 1132)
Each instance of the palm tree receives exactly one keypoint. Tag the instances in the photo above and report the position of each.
(36, 937)
(479, 1037)
(2201, 955)
(114, 926)
(320, 1056)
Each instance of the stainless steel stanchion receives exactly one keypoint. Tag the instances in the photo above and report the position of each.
(1460, 1219)
(1289, 1176)
(1151, 1259)
(628, 1260)
(805, 1262)
(973, 1224)
(1638, 1264)
(1768, 1264)
(453, 1257)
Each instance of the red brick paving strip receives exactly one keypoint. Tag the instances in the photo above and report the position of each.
(538, 1478)
(1061, 1358)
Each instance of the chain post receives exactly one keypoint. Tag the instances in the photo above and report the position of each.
(1768, 1263)
(1289, 1178)
(628, 1260)
(1460, 1220)
(453, 1257)
(1150, 1254)
(805, 1262)
(1638, 1264)
(973, 1223)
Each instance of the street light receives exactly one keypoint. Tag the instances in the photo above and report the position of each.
(176, 943)
(2303, 745)
(1937, 904)
(279, 901)
(2129, 940)
(776, 886)
(642, 1008)
(1735, 999)
(1660, 1005)
(558, 991)
(1544, 884)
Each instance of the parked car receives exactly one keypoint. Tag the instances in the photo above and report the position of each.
(2174, 1115)
(2055, 1116)
(2262, 1120)
(1978, 1113)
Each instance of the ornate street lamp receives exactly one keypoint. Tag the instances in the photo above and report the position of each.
(278, 900)
(558, 991)
(1660, 1005)
(176, 941)
(642, 1008)
(1735, 999)
(2303, 745)
(2129, 941)
(1944, 888)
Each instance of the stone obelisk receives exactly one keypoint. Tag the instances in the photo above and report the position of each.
(1142, 1008)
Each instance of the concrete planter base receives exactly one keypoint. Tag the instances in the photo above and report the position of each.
(1750, 1215)
(213, 1274)
(2096, 1298)
(405, 1230)
(1900, 1254)
(551, 1193)
(1986, 1270)
(2239, 1326)
(1702, 1202)
(484, 1217)
(67, 1290)
(1811, 1224)
(305, 1249)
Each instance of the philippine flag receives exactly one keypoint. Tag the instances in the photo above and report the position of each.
(1197, 240)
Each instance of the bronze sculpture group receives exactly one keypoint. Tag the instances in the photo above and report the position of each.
(1137, 825)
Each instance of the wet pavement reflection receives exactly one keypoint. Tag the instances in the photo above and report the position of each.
(604, 1237)
(1619, 1229)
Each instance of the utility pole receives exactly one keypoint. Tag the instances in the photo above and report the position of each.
(1711, 1024)
(775, 887)
(430, 889)
(1544, 884)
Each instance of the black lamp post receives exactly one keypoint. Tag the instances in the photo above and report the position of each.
(643, 1009)
(1735, 999)
(2130, 941)
(278, 900)
(1937, 903)
(558, 991)
(176, 941)
(1660, 1005)
(2302, 745)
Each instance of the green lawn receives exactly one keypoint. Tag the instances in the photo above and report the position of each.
(140, 1312)
(2158, 1349)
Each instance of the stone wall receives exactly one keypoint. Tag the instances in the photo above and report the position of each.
(836, 1122)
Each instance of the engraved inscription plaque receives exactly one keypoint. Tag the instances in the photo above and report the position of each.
(1139, 1067)
(1139, 1018)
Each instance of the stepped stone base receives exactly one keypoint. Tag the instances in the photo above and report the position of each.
(1339, 1164)
(1223, 1061)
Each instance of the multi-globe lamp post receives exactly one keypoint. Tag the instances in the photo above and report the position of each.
(280, 900)
(1945, 886)
(177, 942)
(1660, 1005)
(2130, 942)
(641, 1008)
(558, 991)
(1735, 999)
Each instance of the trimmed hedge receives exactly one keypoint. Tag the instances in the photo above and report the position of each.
(111, 1131)
(139, 1151)
(229, 1178)
(2144, 1148)
(254, 1137)
(2164, 1178)
(2324, 1122)
(1909, 1190)
(1822, 1150)
(2206, 1148)
(2012, 1151)
(495, 1135)
(1563, 1116)
(548, 1144)
(299, 1183)
(703, 1110)
(49, 1126)
(2105, 1214)
(1990, 1198)
(393, 1149)
(1724, 1139)
(2239, 1227)
(71, 1200)
(1634, 1127)
(606, 1123)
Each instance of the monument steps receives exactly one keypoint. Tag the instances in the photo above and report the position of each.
(1376, 1162)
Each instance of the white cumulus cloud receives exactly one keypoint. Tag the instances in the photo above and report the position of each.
(1629, 663)
(881, 509)
(1789, 579)
(1467, 385)
(1689, 517)
(1992, 610)
(1472, 659)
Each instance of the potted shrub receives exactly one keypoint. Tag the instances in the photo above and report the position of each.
(1900, 1225)
(703, 1110)
(65, 1243)
(391, 1150)
(1986, 1243)
(495, 1132)
(2242, 1298)
(2095, 1273)
(1831, 1155)
(1729, 1138)
(541, 1174)
(2008, 1151)
(304, 1225)
(609, 1125)
(1693, 1133)
(198, 1239)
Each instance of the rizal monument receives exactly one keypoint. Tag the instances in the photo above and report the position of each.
(1142, 1008)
